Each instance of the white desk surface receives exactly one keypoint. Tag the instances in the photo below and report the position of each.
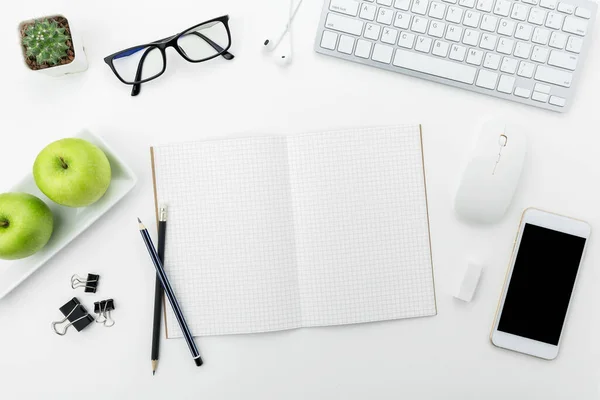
(448, 356)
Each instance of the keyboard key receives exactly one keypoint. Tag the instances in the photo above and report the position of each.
(507, 27)
(348, 7)
(574, 25)
(487, 79)
(471, 37)
(540, 36)
(457, 52)
(488, 41)
(523, 31)
(454, 33)
(435, 66)
(419, 25)
(450, 1)
(522, 92)
(389, 36)
(502, 8)
(344, 24)
(363, 49)
(346, 44)
(385, 16)
(472, 19)
(558, 40)
(385, 2)
(329, 40)
(537, 16)
(553, 76)
(467, 3)
(549, 4)
(406, 40)
(574, 44)
(519, 12)
(454, 14)
(583, 13)
(541, 97)
(509, 65)
(367, 11)
(557, 101)
(554, 20)
(491, 61)
(505, 46)
(526, 69)
(403, 5)
(474, 56)
(489, 23)
(437, 29)
(532, 2)
(563, 60)
(542, 88)
(540, 54)
(402, 20)
(485, 5)
(437, 10)
(440, 48)
(372, 31)
(506, 84)
(420, 6)
(565, 8)
(423, 44)
(522, 50)
(382, 53)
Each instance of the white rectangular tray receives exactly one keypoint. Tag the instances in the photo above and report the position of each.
(68, 222)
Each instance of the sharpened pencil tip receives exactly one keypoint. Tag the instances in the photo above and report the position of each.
(139, 220)
(153, 372)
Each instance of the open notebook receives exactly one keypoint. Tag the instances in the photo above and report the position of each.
(276, 233)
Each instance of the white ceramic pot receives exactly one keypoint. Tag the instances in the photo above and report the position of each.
(79, 63)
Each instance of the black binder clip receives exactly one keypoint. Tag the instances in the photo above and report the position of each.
(103, 309)
(90, 284)
(77, 316)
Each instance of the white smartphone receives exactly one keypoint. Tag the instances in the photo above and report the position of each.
(539, 283)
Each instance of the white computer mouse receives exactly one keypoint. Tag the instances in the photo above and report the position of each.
(492, 175)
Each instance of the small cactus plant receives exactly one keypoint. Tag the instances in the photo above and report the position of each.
(46, 42)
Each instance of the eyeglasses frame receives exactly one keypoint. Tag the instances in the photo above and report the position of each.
(162, 45)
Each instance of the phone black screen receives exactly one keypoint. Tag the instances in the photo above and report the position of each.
(541, 284)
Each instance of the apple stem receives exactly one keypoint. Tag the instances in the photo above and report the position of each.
(3, 223)
(64, 164)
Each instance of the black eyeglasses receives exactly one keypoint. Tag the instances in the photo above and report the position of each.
(199, 43)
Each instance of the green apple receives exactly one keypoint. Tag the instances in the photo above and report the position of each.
(72, 172)
(26, 225)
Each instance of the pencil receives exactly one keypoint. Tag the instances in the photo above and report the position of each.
(164, 281)
(158, 290)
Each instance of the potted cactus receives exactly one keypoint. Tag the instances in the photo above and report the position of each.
(51, 46)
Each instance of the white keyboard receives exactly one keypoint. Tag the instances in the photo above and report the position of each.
(529, 51)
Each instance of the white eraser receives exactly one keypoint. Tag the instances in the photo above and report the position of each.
(469, 282)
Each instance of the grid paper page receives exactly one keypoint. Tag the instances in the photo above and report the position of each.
(361, 223)
(230, 251)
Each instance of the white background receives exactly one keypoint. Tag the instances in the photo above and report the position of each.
(444, 357)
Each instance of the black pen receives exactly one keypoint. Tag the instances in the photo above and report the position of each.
(170, 294)
(158, 290)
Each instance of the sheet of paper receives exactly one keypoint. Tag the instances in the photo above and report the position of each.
(362, 232)
(230, 251)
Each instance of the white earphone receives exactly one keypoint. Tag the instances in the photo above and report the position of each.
(283, 55)
(283, 41)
